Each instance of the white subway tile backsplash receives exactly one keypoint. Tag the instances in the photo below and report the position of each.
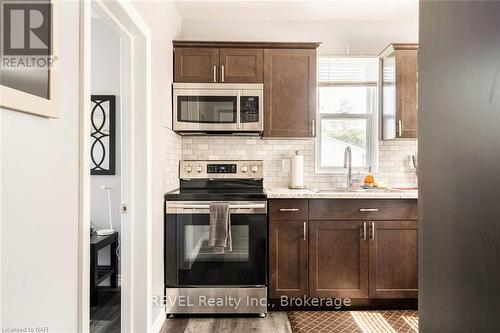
(174, 149)
(394, 168)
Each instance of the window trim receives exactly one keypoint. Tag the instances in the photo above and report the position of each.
(371, 131)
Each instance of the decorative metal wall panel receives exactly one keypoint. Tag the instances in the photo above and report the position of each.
(102, 135)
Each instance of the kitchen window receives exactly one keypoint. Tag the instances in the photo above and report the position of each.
(347, 112)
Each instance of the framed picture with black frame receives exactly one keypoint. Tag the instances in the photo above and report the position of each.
(103, 135)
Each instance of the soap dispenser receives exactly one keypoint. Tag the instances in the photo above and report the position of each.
(369, 180)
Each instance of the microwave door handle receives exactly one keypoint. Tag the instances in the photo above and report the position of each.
(238, 109)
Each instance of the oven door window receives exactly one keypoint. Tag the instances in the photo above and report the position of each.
(196, 245)
(198, 264)
(207, 109)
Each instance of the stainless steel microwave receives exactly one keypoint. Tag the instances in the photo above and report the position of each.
(218, 107)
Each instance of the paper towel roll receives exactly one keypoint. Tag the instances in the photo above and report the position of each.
(297, 170)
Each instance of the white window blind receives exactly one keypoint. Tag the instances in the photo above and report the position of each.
(347, 112)
(347, 70)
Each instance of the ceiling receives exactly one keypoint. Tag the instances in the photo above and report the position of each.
(342, 10)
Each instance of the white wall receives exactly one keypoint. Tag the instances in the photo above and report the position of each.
(105, 80)
(39, 202)
(368, 37)
(39, 184)
(165, 23)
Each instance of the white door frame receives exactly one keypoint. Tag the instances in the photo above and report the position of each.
(135, 103)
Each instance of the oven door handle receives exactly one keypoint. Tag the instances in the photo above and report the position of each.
(190, 206)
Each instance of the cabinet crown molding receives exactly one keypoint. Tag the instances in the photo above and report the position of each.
(398, 46)
(246, 44)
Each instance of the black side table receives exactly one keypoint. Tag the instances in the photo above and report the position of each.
(100, 273)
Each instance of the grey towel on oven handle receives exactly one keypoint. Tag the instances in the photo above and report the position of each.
(220, 227)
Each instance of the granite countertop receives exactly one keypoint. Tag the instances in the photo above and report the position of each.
(285, 193)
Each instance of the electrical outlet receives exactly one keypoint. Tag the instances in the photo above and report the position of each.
(285, 165)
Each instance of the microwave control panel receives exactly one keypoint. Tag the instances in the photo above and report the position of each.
(249, 108)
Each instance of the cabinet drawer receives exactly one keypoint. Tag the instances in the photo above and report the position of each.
(363, 209)
(288, 210)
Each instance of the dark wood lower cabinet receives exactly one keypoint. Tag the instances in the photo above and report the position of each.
(342, 251)
(338, 259)
(394, 259)
(288, 258)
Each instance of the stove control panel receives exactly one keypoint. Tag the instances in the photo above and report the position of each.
(220, 169)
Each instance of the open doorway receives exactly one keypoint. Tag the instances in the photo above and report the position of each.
(105, 179)
(130, 193)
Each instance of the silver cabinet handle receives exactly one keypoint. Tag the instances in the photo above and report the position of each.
(305, 230)
(222, 73)
(400, 127)
(289, 209)
(373, 230)
(364, 230)
(313, 128)
(215, 73)
(366, 210)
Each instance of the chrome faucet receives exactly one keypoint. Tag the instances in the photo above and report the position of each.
(348, 165)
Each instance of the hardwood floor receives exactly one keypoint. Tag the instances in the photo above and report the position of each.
(400, 321)
(276, 322)
(105, 317)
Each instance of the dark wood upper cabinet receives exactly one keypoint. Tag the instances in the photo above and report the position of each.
(288, 258)
(338, 259)
(197, 65)
(287, 70)
(242, 65)
(225, 61)
(394, 259)
(289, 92)
(399, 91)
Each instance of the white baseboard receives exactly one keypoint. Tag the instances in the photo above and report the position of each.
(159, 321)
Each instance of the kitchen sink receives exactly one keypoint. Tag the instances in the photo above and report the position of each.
(337, 190)
(356, 190)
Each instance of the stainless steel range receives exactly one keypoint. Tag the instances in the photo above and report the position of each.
(197, 279)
